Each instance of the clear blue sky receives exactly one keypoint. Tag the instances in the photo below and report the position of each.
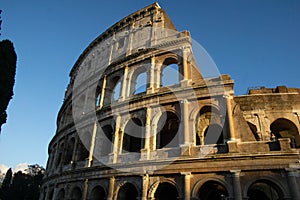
(257, 42)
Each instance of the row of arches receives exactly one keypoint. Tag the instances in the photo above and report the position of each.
(70, 150)
(138, 79)
(208, 128)
(280, 128)
(165, 131)
(261, 189)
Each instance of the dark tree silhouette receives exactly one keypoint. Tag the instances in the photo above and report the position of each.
(5, 187)
(8, 61)
(22, 186)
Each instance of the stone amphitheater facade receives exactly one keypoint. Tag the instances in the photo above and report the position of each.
(187, 137)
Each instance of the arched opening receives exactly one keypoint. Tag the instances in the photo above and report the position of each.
(284, 128)
(59, 158)
(139, 80)
(166, 191)
(209, 126)
(170, 73)
(168, 126)
(76, 194)
(107, 143)
(141, 83)
(213, 134)
(253, 130)
(264, 190)
(67, 117)
(98, 96)
(81, 153)
(117, 91)
(61, 195)
(69, 151)
(127, 192)
(212, 190)
(134, 134)
(98, 193)
(112, 89)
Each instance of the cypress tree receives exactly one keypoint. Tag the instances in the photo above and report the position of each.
(8, 62)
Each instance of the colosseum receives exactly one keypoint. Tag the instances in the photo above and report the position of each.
(140, 121)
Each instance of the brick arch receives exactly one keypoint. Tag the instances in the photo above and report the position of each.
(285, 128)
(201, 182)
(98, 191)
(122, 183)
(133, 75)
(169, 125)
(269, 180)
(203, 122)
(76, 193)
(155, 185)
(133, 135)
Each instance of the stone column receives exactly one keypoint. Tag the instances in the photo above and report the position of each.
(145, 184)
(111, 188)
(102, 92)
(230, 117)
(292, 182)
(85, 189)
(147, 133)
(185, 105)
(236, 184)
(92, 144)
(116, 140)
(187, 185)
(124, 87)
(185, 64)
(152, 83)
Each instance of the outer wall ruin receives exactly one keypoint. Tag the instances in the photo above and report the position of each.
(188, 139)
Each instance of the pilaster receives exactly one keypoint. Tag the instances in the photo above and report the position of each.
(236, 184)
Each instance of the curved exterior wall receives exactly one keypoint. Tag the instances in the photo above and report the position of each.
(189, 140)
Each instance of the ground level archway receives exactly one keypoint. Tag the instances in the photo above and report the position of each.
(166, 191)
(127, 192)
(264, 190)
(212, 190)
